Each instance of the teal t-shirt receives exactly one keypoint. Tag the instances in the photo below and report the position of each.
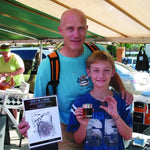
(73, 81)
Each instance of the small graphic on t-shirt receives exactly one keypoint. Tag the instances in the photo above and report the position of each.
(83, 80)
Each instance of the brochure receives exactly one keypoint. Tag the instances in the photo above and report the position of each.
(43, 117)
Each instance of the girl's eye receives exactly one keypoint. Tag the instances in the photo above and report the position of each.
(107, 70)
(96, 70)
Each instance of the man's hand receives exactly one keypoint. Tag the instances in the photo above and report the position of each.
(23, 127)
(118, 85)
(127, 96)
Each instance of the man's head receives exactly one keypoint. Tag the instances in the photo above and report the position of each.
(73, 11)
(73, 28)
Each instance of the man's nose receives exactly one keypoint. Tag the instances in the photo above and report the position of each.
(76, 33)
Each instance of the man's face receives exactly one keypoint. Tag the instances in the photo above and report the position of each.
(73, 29)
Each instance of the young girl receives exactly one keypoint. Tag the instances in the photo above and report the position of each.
(111, 122)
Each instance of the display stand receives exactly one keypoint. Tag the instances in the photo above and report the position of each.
(141, 121)
(2, 130)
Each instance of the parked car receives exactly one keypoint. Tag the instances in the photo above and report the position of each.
(129, 61)
(31, 58)
(134, 81)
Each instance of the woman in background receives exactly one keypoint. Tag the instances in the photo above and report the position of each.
(11, 68)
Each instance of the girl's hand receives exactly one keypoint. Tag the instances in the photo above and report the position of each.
(111, 108)
(79, 116)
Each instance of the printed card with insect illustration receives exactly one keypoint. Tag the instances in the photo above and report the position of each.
(43, 117)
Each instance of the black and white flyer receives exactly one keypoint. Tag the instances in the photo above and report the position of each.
(43, 117)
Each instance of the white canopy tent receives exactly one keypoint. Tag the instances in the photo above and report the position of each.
(124, 21)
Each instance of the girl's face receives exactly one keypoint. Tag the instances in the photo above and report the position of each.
(101, 73)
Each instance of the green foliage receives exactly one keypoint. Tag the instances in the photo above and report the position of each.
(131, 46)
(29, 45)
(112, 50)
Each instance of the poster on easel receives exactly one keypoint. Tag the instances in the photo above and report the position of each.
(43, 117)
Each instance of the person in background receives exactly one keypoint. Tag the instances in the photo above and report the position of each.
(72, 56)
(112, 121)
(11, 68)
(11, 65)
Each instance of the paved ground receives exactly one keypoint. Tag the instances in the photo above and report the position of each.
(14, 142)
(15, 139)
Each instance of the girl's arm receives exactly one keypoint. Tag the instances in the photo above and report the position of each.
(80, 134)
(124, 130)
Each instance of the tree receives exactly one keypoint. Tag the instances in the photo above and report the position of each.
(112, 50)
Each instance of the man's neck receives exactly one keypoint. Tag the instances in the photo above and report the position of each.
(70, 53)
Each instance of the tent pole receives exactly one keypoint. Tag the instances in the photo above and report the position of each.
(41, 45)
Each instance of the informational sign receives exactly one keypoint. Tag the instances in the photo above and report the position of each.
(43, 117)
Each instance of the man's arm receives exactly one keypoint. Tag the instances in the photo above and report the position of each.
(118, 85)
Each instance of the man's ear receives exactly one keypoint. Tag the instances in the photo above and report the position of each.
(88, 72)
(60, 30)
(87, 27)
